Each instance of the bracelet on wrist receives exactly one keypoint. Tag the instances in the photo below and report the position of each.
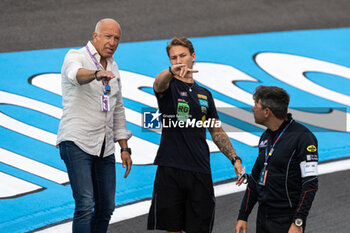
(95, 75)
(171, 72)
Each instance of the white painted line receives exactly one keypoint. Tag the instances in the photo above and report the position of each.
(228, 188)
(124, 212)
(12, 186)
(36, 105)
(33, 167)
(335, 166)
(27, 130)
(141, 208)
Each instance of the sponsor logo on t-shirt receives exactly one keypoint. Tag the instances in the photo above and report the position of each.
(183, 93)
(204, 109)
(203, 102)
(200, 96)
(183, 110)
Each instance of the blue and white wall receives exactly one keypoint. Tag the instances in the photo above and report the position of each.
(313, 66)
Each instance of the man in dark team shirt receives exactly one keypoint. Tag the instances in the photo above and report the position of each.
(183, 196)
(284, 177)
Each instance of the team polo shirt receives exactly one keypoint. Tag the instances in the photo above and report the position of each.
(184, 146)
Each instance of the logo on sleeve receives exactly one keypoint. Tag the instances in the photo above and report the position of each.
(311, 148)
(308, 169)
(311, 157)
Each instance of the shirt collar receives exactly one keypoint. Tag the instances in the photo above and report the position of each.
(96, 54)
(92, 48)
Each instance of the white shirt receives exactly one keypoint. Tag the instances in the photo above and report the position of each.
(83, 121)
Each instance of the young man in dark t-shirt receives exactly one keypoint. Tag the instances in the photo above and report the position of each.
(183, 196)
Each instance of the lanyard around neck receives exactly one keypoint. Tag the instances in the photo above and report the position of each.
(107, 88)
(267, 155)
(93, 58)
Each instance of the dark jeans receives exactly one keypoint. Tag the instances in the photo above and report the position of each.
(274, 223)
(93, 182)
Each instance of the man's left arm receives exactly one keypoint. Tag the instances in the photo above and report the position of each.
(121, 134)
(308, 158)
(125, 156)
(223, 142)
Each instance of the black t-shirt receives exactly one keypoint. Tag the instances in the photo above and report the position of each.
(184, 146)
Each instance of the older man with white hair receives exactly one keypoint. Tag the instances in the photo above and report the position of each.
(93, 120)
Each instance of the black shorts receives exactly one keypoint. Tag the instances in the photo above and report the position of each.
(182, 201)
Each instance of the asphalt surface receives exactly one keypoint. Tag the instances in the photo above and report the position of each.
(39, 24)
(42, 24)
(330, 212)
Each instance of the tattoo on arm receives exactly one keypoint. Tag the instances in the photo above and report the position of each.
(224, 144)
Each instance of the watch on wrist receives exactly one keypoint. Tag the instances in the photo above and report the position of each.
(126, 149)
(298, 222)
(95, 75)
(234, 159)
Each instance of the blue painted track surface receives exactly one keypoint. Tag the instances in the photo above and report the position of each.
(54, 203)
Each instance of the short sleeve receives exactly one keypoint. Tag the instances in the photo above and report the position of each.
(212, 113)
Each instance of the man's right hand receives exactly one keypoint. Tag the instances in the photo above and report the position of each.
(105, 75)
(241, 226)
(181, 70)
(239, 172)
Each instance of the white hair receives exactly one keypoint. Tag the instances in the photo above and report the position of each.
(97, 27)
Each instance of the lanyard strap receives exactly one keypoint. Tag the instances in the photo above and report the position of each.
(106, 84)
(267, 155)
(93, 58)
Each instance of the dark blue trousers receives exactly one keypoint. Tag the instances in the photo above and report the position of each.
(93, 182)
